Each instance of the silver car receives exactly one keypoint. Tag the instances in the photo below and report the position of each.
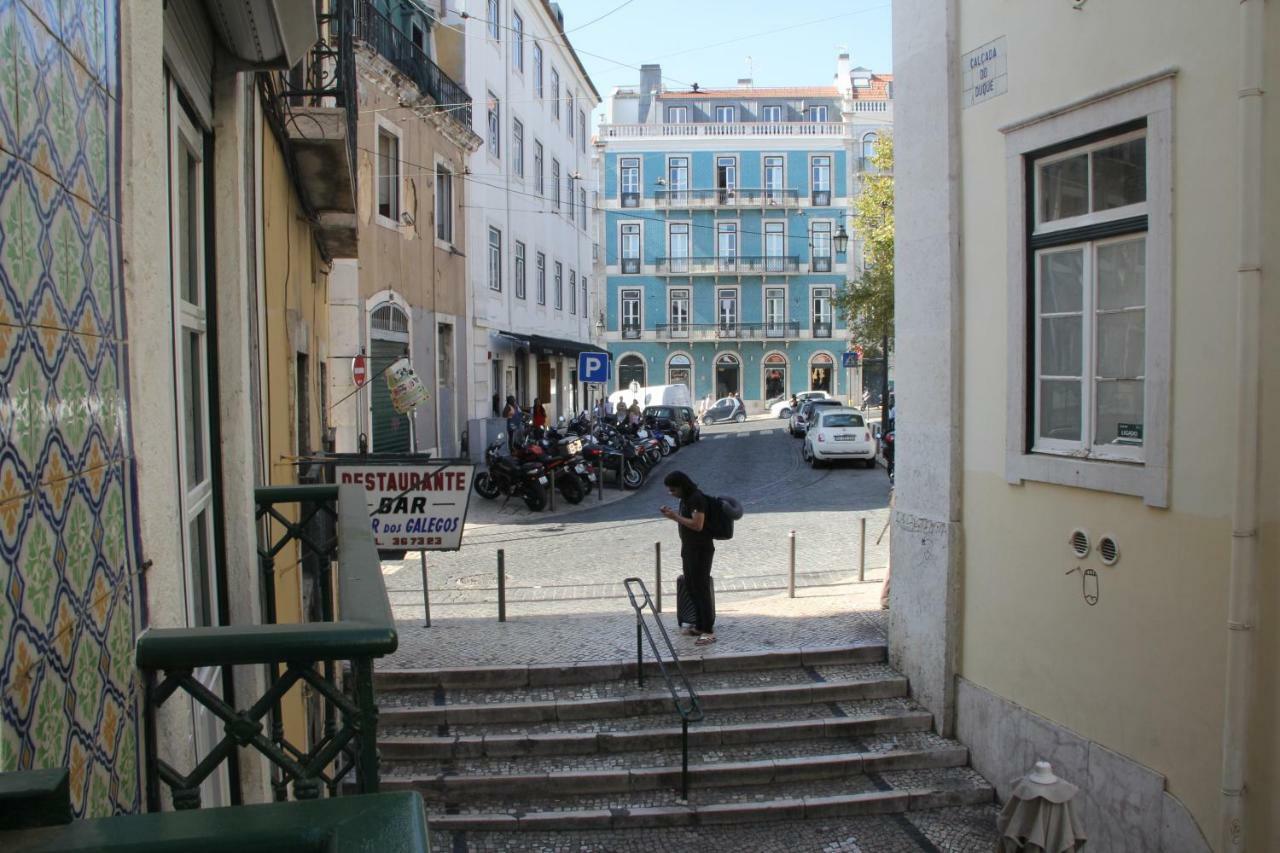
(799, 423)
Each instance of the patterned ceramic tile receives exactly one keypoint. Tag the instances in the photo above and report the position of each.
(68, 690)
(8, 76)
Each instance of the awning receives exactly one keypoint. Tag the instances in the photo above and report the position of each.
(560, 346)
(518, 340)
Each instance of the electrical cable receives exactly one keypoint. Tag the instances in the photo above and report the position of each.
(618, 8)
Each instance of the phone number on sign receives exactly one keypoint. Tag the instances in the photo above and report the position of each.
(411, 541)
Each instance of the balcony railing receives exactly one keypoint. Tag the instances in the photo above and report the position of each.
(829, 129)
(736, 197)
(382, 36)
(726, 331)
(631, 332)
(822, 328)
(332, 525)
(740, 265)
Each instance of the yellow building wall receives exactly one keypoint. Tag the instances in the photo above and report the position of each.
(1143, 671)
(408, 259)
(295, 287)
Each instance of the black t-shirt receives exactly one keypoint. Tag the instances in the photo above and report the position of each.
(697, 502)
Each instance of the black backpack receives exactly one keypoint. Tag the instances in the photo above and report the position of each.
(722, 512)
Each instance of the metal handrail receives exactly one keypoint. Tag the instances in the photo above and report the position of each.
(690, 712)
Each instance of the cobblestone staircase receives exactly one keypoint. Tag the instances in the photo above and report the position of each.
(823, 739)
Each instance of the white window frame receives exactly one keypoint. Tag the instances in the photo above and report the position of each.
(775, 228)
(493, 124)
(817, 113)
(555, 184)
(771, 113)
(814, 161)
(677, 114)
(517, 42)
(444, 215)
(726, 194)
(623, 169)
(827, 227)
(1152, 99)
(541, 274)
(679, 195)
(569, 111)
(518, 273)
(383, 126)
(539, 168)
(688, 357)
(765, 189)
(775, 327)
(517, 147)
(493, 25)
(726, 114)
(555, 93)
(557, 281)
(828, 292)
(582, 131)
(623, 235)
(626, 296)
(537, 70)
(582, 208)
(727, 262)
(685, 260)
(675, 296)
(494, 253)
(733, 328)
(573, 292)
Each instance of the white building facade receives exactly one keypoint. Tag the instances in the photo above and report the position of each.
(530, 193)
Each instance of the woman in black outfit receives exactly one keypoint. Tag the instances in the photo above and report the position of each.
(697, 549)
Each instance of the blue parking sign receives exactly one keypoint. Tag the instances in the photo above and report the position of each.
(593, 367)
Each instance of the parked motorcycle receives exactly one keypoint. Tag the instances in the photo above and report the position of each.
(511, 477)
(561, 456)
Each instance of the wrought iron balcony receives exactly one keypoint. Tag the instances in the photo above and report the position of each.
(727, 331)
(332, 525)
(740, 265)
(386, 39)
(822, 329)
(736, 197)
(631, 332)
(739, 129)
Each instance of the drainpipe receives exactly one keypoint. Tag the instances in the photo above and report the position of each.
(1242, 609)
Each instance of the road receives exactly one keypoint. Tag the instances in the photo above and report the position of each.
(586, 554)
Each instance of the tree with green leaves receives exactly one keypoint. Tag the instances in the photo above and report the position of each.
(866, 303)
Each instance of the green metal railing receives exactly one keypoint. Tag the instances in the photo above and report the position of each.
(361, 630)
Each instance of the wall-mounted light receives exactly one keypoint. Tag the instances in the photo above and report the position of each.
(841, 240)
(600, 324)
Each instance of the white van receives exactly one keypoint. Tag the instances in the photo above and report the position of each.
(654, 395)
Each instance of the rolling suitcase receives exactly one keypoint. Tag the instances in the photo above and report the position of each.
(686, 613)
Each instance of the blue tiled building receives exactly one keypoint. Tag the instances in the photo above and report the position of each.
(725, 215)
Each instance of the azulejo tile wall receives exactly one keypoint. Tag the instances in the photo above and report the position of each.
(68, 689)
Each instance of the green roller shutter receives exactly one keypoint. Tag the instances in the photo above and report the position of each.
(390, 429)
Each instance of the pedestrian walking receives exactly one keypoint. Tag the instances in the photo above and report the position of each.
(633, 413)
(515, 419)
(697, 549)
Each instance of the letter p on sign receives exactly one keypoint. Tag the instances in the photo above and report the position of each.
(593, 367)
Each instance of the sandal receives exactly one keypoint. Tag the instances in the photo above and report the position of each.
(705, 640)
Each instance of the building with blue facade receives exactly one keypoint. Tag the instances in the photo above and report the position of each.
(726, 216)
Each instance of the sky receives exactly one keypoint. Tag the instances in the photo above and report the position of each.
(790, 43)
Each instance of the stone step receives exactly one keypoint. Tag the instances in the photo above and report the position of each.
(586, 672)
(742, 765)
(954, 829)
(631, 701)
(805, 799)
(701, 736)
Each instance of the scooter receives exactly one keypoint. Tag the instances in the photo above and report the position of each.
(507, 476)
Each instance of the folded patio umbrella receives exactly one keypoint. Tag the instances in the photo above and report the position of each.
(1039, 817)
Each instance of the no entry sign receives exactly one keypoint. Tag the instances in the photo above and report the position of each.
(359, 370)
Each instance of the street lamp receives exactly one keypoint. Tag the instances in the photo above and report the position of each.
(841, 240)
(600, 325)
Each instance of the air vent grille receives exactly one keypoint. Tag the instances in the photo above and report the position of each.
(1108, 550)
(1080, 543)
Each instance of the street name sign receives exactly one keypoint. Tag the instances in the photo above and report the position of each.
(985, 72)
(593, 367)
(413, 507)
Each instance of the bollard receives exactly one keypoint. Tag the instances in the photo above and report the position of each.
(862, 548)
(426, 596)
(657, 573)
(502, 585)
(791, 572)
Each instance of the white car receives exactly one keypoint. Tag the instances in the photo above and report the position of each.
(838, 434)
(782, 407)
(798, 425)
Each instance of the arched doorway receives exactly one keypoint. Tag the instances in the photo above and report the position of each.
(822, 368)
(775, 376)
(680, 371)
(391, 432)
(728, 375)
(630, 369)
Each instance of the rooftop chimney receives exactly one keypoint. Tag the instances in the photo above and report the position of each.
(843, 83)
(650, 87)
(744, 82)
(555, 7)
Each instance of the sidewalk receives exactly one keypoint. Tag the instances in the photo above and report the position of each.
(605, 630)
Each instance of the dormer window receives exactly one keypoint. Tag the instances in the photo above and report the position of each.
(726, 115)
(818, 112)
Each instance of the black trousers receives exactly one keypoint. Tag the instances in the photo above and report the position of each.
(696, 564)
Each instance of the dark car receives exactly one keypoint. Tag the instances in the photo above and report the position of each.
(724, 410)
(799, 423)
(682, 417)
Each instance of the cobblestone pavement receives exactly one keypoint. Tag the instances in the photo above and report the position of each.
(585, 553)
